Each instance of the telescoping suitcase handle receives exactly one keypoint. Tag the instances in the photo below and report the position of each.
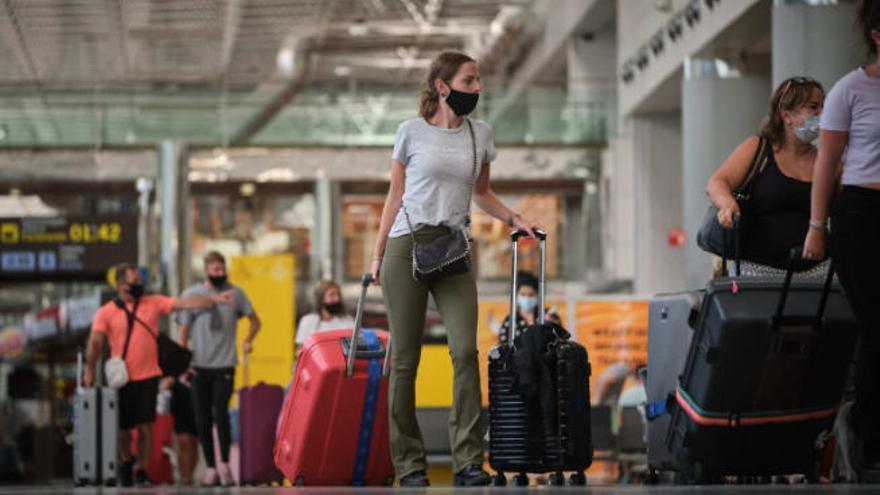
(794, 261)
(385, 352)
(515, 236)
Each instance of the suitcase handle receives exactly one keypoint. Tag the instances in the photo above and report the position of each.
(366, 281)
(794, 260)
(515, 236)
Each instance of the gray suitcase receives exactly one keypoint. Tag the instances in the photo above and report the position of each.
(669, 339)
(95, 429)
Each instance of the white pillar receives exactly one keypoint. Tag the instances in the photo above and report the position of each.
(175, 218)
(819, 41)
(720, 109)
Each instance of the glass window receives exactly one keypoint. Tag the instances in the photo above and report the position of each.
(492, 259)
(268, 224)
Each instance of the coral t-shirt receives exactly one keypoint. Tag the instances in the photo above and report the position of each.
(142, 359)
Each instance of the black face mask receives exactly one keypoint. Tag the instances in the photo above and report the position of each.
(462, 103)
(334, 308)
(136, 290)
(217, 281)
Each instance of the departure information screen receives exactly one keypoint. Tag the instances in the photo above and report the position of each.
(76, 247)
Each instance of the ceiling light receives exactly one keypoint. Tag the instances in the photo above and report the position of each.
(248, 189)
(342, 71)
(657, 43)
(673, 28)
(692, 13)
(358, 29)
(4, 132)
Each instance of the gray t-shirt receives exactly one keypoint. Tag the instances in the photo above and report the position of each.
(212, 330)
(439, 171)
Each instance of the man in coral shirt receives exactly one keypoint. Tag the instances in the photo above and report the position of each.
(137, 398)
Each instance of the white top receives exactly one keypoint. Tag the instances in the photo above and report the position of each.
(853, 105)
(312, 323)
(439, 171)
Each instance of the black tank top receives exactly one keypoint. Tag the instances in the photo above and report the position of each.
(777, 218)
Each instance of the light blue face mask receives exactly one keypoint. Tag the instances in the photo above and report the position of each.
(527, 303)
(809, 131)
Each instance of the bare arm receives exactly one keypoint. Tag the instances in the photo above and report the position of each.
(486, 199)
(199, 302)
(389, 212)
(93, 351)
(184, 335)
(728, 178)
(826, 174)
(253, 328)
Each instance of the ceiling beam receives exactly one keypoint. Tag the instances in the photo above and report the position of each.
(231, 25)
(563, 19)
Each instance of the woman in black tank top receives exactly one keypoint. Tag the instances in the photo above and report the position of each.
(779, 208)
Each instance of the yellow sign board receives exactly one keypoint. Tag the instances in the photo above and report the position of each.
(268, 281)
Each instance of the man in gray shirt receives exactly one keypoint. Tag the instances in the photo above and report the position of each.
(210, 333)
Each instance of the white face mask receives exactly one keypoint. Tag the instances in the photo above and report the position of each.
(809, 130)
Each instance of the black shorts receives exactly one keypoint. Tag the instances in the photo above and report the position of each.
(182, 409)
(137, 403)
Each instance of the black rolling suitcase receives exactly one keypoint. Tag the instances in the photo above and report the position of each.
(764, 378)
(522, 438)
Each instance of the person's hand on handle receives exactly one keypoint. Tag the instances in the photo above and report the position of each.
(727, 214)
(88, 377)
(526, 224)
(247, 347)
(374, 269)
(187, 376)
(814, 244)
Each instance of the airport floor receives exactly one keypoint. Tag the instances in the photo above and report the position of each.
(596, 490)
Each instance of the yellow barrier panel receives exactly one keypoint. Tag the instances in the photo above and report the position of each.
(434, 379)
(268, 282)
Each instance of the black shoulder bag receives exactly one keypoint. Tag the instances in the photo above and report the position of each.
(712, 236)
(174, 359)
(449, 254)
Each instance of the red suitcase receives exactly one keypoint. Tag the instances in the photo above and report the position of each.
(258, 410)
(159, 468)
(333, 428)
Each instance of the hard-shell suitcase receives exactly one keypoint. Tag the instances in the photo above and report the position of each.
(259, 407)
(333, 428)
(764, 377)
(95, 429)
(669, 339)
(518, 439)
(159, 469)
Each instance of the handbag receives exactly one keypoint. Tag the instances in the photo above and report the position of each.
(115, 371)
(449, 254)
(174, 359)
(712, 236)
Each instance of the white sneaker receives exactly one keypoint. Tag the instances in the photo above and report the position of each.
(211, 477)
(225, 473)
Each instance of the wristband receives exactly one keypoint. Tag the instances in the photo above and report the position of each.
(818, 224)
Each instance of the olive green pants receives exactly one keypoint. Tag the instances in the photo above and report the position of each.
(406, 302)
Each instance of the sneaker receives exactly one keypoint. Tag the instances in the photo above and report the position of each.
(225, 475)
(849, 443)
(126, 473)
(211, 477)
(472, 475)
(415, 479)
(141, 478)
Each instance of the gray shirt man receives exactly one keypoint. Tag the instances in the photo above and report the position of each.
(213, 329)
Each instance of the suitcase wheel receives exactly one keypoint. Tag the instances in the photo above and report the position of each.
(557, 479)
(499, 480)
(389, 481)
(522, 479)
(577, 479)
(299, 481)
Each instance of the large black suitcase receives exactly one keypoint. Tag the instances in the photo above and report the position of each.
(764, 378)
(519, 440)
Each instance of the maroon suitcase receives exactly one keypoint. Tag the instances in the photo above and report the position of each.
(259, 407)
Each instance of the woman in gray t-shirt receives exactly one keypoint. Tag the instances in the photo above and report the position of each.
(439, 164)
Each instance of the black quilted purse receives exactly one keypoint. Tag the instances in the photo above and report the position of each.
(449, 254)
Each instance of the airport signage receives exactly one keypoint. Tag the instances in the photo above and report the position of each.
(65, 248)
